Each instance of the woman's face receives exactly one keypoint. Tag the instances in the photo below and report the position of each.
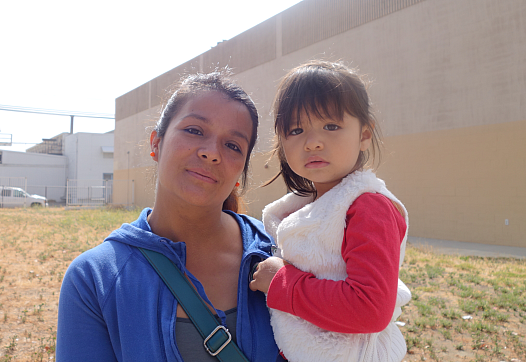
(203, 152)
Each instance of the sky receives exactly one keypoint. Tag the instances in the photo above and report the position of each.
(80, 56)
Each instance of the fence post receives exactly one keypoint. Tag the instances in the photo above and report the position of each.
(133, 192)
(25, 190)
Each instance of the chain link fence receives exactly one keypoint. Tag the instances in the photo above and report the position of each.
(56, 195)
(15, 192)
(12, 192)
(98, 193)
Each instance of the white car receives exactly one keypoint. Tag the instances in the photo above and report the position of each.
(17, 197)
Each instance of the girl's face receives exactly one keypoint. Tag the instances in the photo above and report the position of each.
(203, 152)
(323, 150)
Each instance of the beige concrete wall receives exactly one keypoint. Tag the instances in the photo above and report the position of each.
(462, 184)
(443, 71)
(139, 188)
(263, 169)
(131, 158)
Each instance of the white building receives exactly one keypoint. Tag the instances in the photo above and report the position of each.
(46, 167)
(90, 156)
(37, 173)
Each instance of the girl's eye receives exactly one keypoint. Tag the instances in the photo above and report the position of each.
(295, 132)
(331, 127)
(233, 147)
(193, 131)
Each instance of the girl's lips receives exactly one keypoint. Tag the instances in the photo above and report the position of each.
(316, 164)
(202, 175)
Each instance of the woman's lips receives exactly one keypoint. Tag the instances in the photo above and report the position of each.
(202, 175)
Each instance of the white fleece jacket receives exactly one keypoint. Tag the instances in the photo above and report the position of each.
(310, 235)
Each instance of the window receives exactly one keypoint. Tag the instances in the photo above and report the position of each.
(0, 157)
(19, 193)
(6, 193)
(107, 176)
(107, 151)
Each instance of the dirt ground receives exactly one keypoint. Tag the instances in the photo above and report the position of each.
(463, 308)
(37, 245)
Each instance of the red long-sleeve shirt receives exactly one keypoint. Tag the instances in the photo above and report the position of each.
(364, 302)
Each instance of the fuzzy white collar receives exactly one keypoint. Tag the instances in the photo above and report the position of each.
(307, 231)
(310, 235)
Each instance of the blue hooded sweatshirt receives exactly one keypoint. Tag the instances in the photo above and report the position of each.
(114, 307)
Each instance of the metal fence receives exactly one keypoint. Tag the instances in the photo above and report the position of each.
(14, 182)
(76, 193)
(56, 195)
(98, 193)
(9, 195)
(87, 193)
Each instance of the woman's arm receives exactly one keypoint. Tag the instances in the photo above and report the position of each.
(363, 302)
(81, 333)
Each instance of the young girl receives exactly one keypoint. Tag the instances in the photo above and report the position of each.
(341, 230)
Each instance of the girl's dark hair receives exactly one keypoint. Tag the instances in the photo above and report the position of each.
(219, 81)
(325, 90)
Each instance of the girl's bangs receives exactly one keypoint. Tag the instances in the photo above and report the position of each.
(308, 98)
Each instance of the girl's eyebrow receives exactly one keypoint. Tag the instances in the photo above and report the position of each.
(207, 121)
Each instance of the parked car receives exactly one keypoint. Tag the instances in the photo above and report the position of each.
(17, 197)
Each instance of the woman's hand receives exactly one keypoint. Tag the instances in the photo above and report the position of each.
(265, 272)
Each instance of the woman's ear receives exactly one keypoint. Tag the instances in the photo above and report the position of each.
(155, 145)
(366, 138)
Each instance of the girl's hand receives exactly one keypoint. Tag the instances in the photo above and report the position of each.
(265, 272)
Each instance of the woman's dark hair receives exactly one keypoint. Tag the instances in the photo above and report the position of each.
(325, 90)
(219, 81)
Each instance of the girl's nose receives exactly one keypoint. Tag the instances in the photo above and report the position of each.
(313, 142)
(210, 152)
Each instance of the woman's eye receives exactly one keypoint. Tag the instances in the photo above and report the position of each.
(331, 127)
(193, 131)
(295, 132)
(233, 147)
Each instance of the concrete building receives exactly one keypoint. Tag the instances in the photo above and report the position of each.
(44, 174)
(449, 89)
(48, 165)
(90, 156)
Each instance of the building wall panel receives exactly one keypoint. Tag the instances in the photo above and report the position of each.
(448, 83)
(463, 184)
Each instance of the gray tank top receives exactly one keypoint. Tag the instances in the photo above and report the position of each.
(190, 343)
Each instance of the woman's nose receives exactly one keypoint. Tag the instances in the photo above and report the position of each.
(210, 152)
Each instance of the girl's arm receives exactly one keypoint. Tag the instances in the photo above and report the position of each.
(364, 302)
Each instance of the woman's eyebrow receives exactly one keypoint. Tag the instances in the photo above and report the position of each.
(206, 120)
(198, 116)
(240, 135)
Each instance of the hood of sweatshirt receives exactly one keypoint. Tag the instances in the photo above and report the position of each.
(139, 234)
(256, 247)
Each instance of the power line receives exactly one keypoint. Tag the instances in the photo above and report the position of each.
(55, 112)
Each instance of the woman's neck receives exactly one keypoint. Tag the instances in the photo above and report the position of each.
(185, 223)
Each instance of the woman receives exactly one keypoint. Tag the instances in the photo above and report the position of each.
(114, 306)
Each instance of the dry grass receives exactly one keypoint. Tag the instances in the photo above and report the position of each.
(38, 245)
(464, 308)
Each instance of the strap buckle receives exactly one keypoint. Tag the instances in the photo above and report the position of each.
(211, 335)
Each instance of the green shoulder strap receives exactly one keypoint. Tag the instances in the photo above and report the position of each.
(217, 339)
